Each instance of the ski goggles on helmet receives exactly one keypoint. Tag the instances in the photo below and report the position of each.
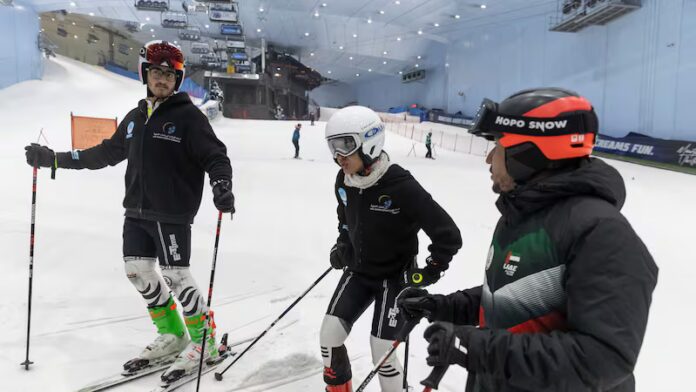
(344, 145)
(159, 53)
(492, 125)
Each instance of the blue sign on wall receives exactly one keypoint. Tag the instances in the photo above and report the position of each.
(675, 152)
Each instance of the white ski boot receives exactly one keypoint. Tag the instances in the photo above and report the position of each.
(188, 361)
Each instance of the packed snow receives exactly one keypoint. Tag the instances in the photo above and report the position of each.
(87, 319)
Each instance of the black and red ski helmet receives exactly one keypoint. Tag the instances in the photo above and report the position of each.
(162, 53)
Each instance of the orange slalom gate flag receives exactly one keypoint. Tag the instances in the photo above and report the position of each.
(89, 131)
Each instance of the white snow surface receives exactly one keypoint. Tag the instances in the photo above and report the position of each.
(87, 319)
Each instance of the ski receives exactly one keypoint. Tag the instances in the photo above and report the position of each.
(209, 367)
(125, 377)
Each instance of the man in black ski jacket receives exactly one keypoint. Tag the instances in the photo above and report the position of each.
(169, 145)
(568, 283)
(381, 209)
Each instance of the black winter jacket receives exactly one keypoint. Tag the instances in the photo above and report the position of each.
(168, 156)
(379, 225)
(567, 289)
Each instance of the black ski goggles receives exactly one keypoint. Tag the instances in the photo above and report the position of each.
(491, 124)
(343, 145)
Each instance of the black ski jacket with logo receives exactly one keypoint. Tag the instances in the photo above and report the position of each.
(168, 156)
(379, 225)
(566, 293)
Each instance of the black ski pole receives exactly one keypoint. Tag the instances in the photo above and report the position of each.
(206, 322)
(218, 376)
(406, 364)
(27, 362)
(401, 337)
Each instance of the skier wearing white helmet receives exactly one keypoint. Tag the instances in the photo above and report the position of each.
(169, 145)
(381, 209)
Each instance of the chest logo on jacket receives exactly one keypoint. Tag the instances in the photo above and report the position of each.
(343, 195)
(508, 265)
(384, 204)
(129, 130)
(168, 131)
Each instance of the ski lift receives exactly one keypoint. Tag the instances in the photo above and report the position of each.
(132, 27)
(193, 6)
(190, 34)
(217, 15)
(200, 48)
(61, 32)
(230, 29)
(92, 38)
(174, 19)
(229, 7)
(233, 45)
(152, 5)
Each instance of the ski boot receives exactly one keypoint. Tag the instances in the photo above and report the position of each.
(345, 387)
(188, 361)
(170, 341)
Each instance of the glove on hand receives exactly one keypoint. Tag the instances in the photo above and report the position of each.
(222, 196)
(40, 156)
(448, 344)
(337, 256)
(416, 303)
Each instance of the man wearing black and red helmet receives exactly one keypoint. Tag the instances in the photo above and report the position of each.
(169, 145)
(568, 283)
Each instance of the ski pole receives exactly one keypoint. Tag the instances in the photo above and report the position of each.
(401, 337)
(27, 362)
(206, 322)
(405, 384)
(434, 378)
(218, 376)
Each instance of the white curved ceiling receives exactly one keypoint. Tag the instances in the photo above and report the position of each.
(339, 38)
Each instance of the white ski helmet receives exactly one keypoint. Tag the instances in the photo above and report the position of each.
(355, 128)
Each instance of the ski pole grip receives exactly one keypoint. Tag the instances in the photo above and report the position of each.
(435, 377)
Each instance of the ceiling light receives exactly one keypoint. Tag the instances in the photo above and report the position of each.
(398, 38)
(73, 23)
(53, 19)
(340, 47)
(384, 53)
(147, 18)
(176, 43)
(446, 65)
(132, 48)
(417, 65)
(153, 36)
(483, 6)
(384, 62)
(369, 70)
(436, 24)
(258, 30)
(277, 75)
(397, 2)
(261, 9)
(328, 72)
(306, 34)
(369, 20)
(323, 4)
(316, 14)
(420, 32)
(75, 36)
(91, 27)
(152, 30)
(207, 26)
(457, 16)
(357, 74)
(72, 4)
(401, 73)
(278, 68)
(91, 14)
(350, 58)
(355, 35)
(311, 54)
(418, 57)
(381, 12)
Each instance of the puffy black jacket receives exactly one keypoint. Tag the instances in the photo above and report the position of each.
(168, 156)
(567, 290)
(379, 225)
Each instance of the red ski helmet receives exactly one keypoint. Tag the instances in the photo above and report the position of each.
(539, 128)
(162, 53)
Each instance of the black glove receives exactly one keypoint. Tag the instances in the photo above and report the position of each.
(337, 256)
(222, 196)
(40, 156)
(421, 277)
(449, 344)
(415, 304)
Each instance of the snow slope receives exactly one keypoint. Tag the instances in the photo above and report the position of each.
(87, 318)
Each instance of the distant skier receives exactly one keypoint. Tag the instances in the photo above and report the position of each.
(169, 145)
(568, 283)
(296, 140)
(428, 143)
(381, 209)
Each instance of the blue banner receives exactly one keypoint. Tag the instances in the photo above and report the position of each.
(674, 152)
